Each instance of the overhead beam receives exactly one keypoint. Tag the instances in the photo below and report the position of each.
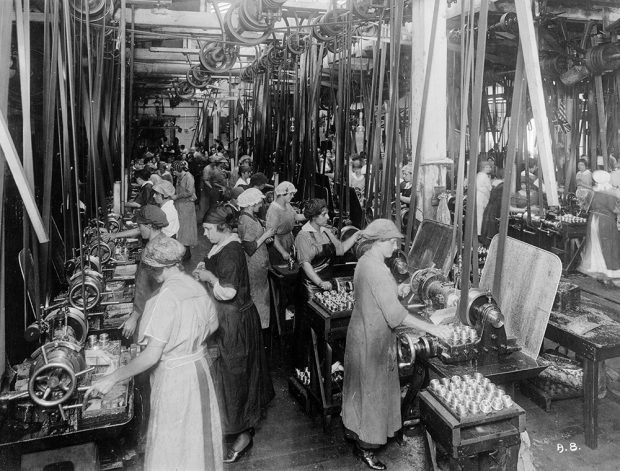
(185, 19)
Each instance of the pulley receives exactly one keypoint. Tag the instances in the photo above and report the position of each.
(102, 250)
(54, 373)
(243, 25)
(86, 289)
(184, 90)
(197, 76)
(115, 223)
(217, 57)
(94, 9)
(66, 324)
(603, 58)
(366, 9)
(409, 345)
(297, 43)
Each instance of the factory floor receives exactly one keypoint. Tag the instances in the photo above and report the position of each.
(288, 439)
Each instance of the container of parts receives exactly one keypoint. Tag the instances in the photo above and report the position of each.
(470, 396)
(93, 342)
(104, 339)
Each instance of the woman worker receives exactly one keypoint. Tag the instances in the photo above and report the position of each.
(601, 256)
(151, 221)
(253, 237)
(240, 372)
(282, 217)
(316, 248)
(184, 430)
(371, 392)
(184, 202)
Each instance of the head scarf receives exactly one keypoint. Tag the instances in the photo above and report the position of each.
(164, 187)
(151, 214)
(250, 197)
(179, 166)
(163, 252)
(381, 229)
(285, 188)
(219, 215)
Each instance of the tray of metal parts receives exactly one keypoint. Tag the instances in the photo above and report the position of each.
(335, 302)
(470, 396)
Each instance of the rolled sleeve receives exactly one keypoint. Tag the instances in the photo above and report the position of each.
(305, 247)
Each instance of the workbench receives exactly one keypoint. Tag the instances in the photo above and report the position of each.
(594, 346)
(470, 440)
(328, 332)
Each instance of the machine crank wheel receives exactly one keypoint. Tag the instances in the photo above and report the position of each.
(52, 384)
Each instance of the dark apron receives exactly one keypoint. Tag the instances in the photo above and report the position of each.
(322, 263)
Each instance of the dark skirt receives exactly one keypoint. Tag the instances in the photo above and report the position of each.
(240, 372)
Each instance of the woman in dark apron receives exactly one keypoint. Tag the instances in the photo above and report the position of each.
(317, 248)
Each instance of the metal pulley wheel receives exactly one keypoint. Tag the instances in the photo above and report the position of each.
(216, 56)
(53, 374)
(409, 345)
(273, 4)
(67, 324)
(115, 222)
(102, 250)
(197, 77)
(85, 290)
(366, 9)
(236, 25)
(297, 43)
(94, 9)
(185, 90)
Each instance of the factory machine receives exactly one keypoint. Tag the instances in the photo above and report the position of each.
(44, 394)
(481, 334)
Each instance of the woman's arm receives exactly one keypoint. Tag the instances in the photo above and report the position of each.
(149, 357)
(120, 235)
(413, 322)
(312, 276)
(222, 293)
(280, 248)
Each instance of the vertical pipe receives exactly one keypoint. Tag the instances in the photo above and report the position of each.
(122, 30)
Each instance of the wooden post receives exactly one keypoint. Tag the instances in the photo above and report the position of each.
(5, 54)
(518, 107)
(537, 98)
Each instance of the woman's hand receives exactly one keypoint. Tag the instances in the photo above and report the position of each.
(102, 386)
(269, 233)
(403, 290)
(325, 285)
(205, 275)
(285, 256)
(441, 331)
(129, 326)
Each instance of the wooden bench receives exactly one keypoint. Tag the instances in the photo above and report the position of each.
(595, 346)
